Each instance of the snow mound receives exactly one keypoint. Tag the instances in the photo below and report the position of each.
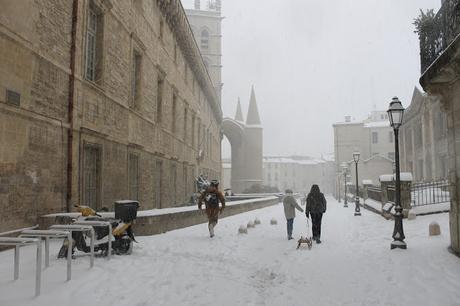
(257, 221)
(243, 229)
(251, 224)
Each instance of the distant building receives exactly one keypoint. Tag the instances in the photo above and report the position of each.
(373, 138)
(424, 139)
(206, 26)
(299, 173)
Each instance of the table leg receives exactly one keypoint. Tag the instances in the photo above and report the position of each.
(69, 256)
(38, 272)
(92, 248)
(47, 252)
(16, 262)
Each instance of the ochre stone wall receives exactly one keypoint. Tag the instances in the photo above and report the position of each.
(35, 43)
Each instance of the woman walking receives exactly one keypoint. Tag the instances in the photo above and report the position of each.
(316, 207)
(290, 205)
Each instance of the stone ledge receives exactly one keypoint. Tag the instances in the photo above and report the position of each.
(157, 223)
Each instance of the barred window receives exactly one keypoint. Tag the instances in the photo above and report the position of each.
(136, 78)
(93, 52)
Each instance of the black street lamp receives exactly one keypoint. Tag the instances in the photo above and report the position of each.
(396, 113)
(345, 172)
(356, 155)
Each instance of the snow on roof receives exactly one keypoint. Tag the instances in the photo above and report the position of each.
(377, 124)
(406, 177)
(367, 182)
(288, 160)
(386, 178)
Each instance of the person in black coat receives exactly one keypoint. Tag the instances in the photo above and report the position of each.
(316, 207)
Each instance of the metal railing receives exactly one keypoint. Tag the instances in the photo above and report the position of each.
(436, 32)
(374, 193)
(430, 193)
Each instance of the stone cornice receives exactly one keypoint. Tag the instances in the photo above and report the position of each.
(177, 20)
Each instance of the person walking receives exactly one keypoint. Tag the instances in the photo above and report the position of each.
(211, 197)
(316, 207)
(290, 205)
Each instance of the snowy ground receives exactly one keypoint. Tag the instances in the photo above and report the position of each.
(353, 266)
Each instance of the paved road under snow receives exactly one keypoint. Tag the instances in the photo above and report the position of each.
(353, 266)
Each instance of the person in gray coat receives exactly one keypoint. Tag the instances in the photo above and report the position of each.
(290, 205)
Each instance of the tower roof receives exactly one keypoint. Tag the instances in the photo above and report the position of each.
(253, 112)
(239, 112)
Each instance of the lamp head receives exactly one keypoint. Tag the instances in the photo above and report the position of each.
(356, 156)
(395, 113)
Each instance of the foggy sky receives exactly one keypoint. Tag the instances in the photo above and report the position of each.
(313, 62)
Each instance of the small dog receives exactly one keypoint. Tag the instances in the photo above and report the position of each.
(306, 240)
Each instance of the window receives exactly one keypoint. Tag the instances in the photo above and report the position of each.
(173, 183)
(375, 137)
(162, 25)
(93, 52)
(160, 83)
(390, 137)
(186, 187)
(133, 174)
(175, 53)
(92, 176)
(193, 131)
(185, 124)
(136, 79)
(204, 39)
(174, 110)
(158, 184)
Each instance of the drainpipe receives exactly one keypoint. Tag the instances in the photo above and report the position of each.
(71, 104)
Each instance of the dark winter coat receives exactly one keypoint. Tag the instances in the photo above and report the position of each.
(316, 203)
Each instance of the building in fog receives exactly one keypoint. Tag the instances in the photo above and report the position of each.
(373, 138)
(100, 101)
(423, 138)
(299, 173)
(206, 25)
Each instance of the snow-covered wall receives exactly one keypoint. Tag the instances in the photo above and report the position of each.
(157, 221)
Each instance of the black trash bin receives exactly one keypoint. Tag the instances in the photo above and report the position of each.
(126, 210)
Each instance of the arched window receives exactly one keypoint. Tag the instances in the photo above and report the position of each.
(204, 39)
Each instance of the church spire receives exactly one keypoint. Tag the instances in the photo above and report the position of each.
(239, 113)
(253, 113)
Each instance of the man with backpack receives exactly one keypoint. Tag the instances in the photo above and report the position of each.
(211, 197)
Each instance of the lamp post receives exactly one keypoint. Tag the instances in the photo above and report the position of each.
(356, 155)
(345, 172)
(395, 114)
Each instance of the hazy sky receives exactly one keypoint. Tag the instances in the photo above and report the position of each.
(313, 62)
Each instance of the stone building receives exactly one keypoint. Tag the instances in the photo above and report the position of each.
(373, 138)
(299, 173)
(423, 138)
(101, 100)
(206, 25)
(440, 57)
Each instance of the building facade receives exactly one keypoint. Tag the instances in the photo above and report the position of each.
(373, 138)
(101, 100)
(299, 173)
(206, 24)
(440, 55)
(423, 137)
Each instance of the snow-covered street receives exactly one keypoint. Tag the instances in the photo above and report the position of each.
(353, 266)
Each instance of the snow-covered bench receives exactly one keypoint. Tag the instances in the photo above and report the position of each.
(78, 228)
(47, 235)
(18, 242)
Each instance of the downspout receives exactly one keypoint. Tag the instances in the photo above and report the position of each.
(71, 104)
